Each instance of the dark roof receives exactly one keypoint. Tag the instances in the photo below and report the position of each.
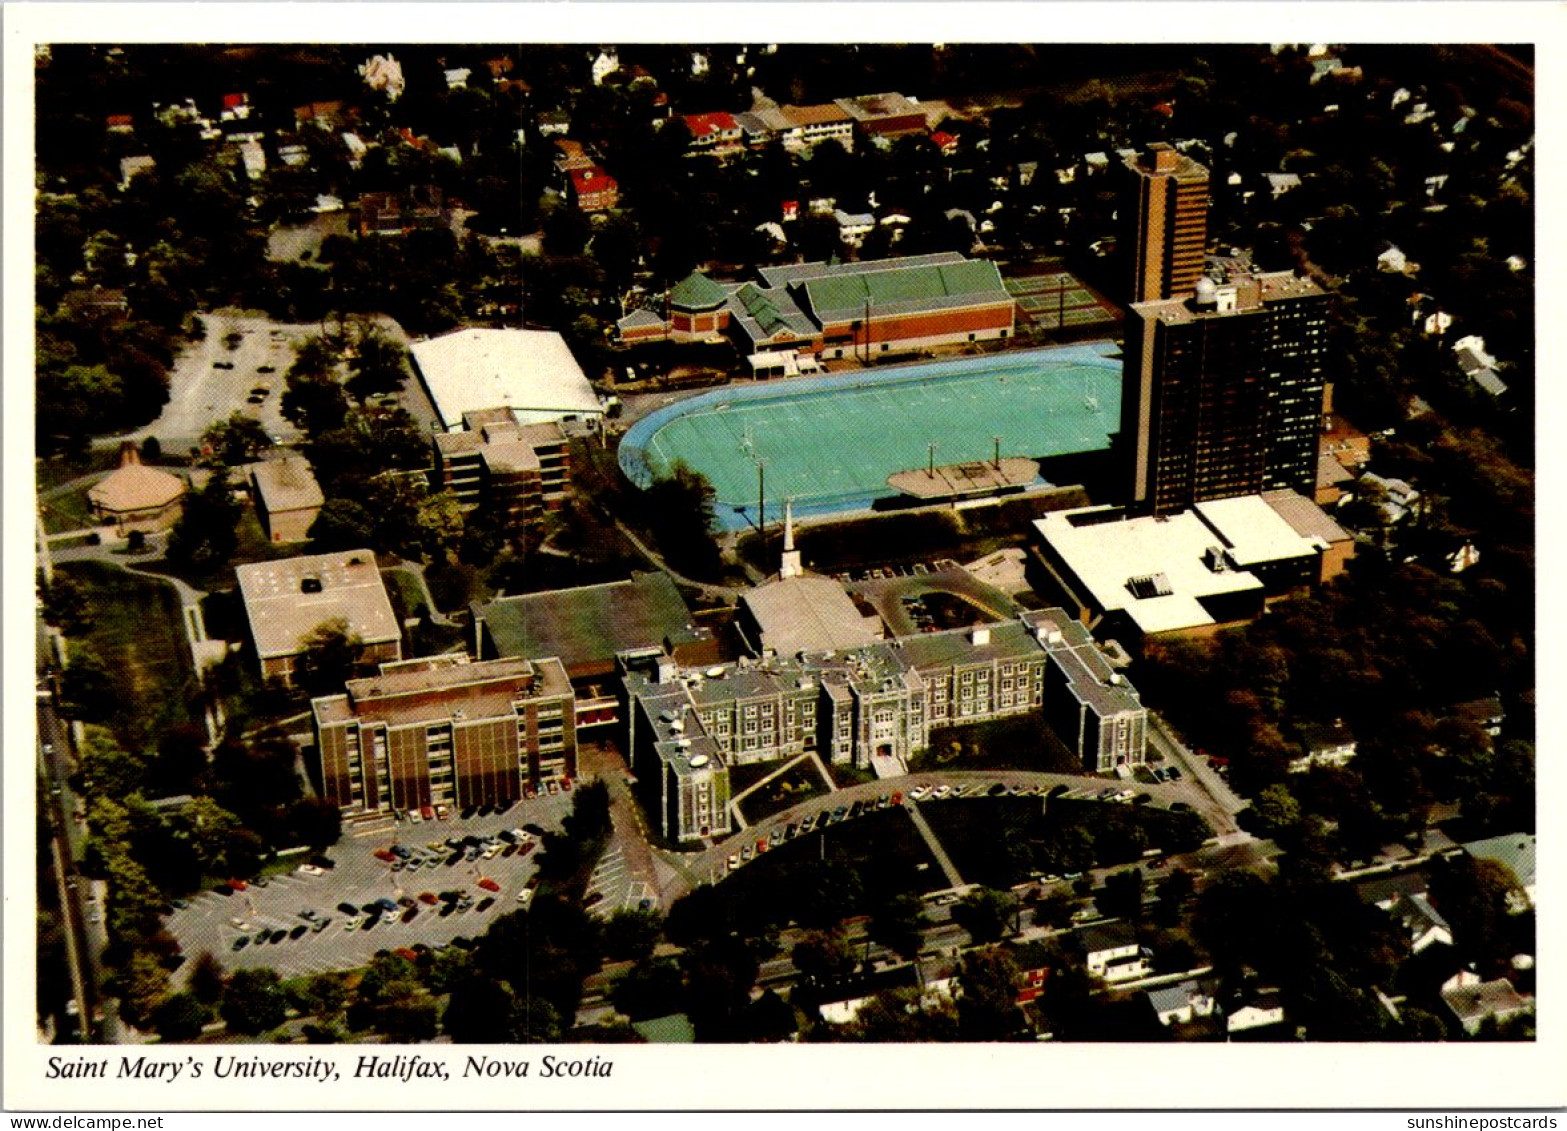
(588, 626)
(1106, 936)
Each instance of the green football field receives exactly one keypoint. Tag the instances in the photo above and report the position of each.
(843, 443)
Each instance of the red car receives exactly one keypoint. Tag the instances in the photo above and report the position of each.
(897, 799)
(427, 812)
(761, 844)
(525, 849)
(385, 855)
(238, 885)
(428, 897)
(404, 953)
(489, 885)
(565, 783)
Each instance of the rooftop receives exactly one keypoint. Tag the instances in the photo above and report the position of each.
(135, 487)
(433, 689)
(530, 371)
(286, 600)
(286, 484)
(588, 626)
(1515, 850)
(808, 614)
(1253, 531)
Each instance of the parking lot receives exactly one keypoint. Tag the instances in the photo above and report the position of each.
(222, 374)
(216, 922)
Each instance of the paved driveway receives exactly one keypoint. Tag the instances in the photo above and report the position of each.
(360, 878)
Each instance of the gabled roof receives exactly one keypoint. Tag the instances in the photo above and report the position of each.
(714, 122)
(899, 289)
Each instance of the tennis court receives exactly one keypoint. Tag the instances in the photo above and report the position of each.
(830, 444)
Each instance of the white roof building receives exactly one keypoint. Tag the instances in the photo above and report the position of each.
(531, 372)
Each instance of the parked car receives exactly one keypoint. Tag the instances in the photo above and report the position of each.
(488, 884)
(428, 897)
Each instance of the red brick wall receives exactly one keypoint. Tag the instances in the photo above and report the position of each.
(896, 328)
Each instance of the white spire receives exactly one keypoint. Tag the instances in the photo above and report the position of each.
(790, 565)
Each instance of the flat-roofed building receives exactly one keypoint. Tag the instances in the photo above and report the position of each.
(1311, 522)
(1223, 388)
(1192, 572)
(530, 372)
(804, 614)
(1165, 214)
(446, 730)
(884, 115)
(287, 600)
(287, 497)
(516, 471)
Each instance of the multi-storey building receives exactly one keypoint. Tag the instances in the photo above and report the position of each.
(287, 600)
(878, 702)
(1165, 222)
(444, 730)
(516, 471)
(1223, 388)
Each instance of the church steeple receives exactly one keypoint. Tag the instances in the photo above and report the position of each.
(790, 565)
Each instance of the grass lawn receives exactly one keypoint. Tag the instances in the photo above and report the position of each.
(55, 470)
(405, 588)
(68, 510)
(136, 630)
(796, 784)
(845, 775)
(1022, 742)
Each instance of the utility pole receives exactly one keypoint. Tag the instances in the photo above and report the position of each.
(761, 497)
(932, 470)
(997, 440)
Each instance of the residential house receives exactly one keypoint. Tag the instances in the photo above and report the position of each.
(1112, 952)
(1515, 852)
(132, 167)
(1281, 183)
(1183, 1002)
(1472, 1001)
(853, 227)
(393, 214)
(1256, 1011)
(593, 190)
(1324, 744)
(716, 133)
(383, 73)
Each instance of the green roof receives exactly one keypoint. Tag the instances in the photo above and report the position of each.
(935, 285)
(586, 627)
(696, 292)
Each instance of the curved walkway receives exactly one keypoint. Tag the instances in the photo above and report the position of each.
(712, 864)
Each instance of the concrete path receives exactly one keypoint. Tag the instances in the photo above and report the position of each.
(940, 853)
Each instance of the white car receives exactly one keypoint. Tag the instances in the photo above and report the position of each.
(524, 896)
(351, 924)
(310, 870)
(941, 791)
(734, 861)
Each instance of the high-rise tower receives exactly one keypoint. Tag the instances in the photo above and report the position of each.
(1164, 219)
(1222, 391)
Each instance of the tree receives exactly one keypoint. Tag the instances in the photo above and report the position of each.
(680, 509)
(207, 979)
(823, 957)
(107, 770)
(180, 1017)
(254, 1002)
(984, 913)
(1122, 897)
(1174, 890)
(327, 658)
(1275, 811)
(654, 987)
(204, 538)
(988, 1008)
(237, 440)
(632, 934)
(899, 925)
(316, 822)
(87, 690)
(341, 524)
(379, 365)
(143, 985)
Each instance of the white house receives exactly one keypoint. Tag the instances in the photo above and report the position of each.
(1182, 1002)
(1111, 952)
(1265, 1008)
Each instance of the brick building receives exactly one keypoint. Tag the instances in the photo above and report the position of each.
(445, 730)
(286, 600)
(287, 497)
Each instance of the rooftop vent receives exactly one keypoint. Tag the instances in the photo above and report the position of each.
(1213, 557)
(980, 636)
(1149, 585)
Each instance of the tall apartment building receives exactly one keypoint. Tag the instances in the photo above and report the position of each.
(444, 730)
(1223, 389)
(1165, 223)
